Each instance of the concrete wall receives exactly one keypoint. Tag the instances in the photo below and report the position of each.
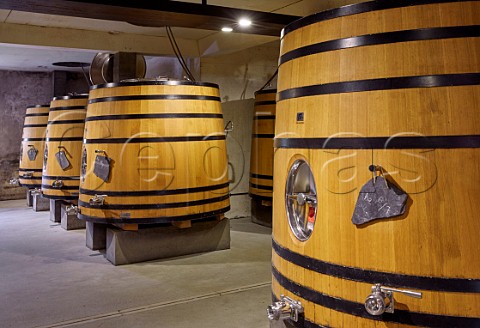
(18, 90)
(240, 112)
(239, 75)
(242, 73)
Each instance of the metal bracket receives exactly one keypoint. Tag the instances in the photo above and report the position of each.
(27, 174)
(57, 184)
(71, 210)
(97, 200)
(382, 299)
(286, 308)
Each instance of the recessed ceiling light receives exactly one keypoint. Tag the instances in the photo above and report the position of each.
(244, 22)
(227, 29)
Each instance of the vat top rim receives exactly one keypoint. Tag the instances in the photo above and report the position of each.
(154, 82)
(357, 8)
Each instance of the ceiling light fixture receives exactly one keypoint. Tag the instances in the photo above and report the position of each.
(227, 29)
(244, 22)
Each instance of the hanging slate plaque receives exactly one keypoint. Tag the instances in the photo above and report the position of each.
(32, 153)
(62, 160)
(102, 167)
(379, 199)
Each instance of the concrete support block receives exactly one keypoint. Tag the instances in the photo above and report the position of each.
(96, 236)
(29, 197)
(147, 244)
(40, 203)
(56, 210)
(261, 212)
(69, 220)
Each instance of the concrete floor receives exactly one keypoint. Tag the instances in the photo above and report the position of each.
(48, 278)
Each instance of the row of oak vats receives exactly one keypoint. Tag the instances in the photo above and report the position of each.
(376, 178)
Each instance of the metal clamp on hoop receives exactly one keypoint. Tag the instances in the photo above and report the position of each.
(97, 200)
(382, 300)
(27, 174)
(286, 308)
(57, 184)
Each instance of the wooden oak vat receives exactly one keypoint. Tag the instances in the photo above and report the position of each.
(66, 122)
(396, 84)
(261, 160)
(166, 146)
(33, 143)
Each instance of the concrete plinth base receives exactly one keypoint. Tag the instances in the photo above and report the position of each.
(261, 212)
(96, 236)
(69, 221)
(56, 210)
(147, 244)
(40, 203)
(29, 197)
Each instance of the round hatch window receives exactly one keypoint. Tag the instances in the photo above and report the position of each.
(301, 200)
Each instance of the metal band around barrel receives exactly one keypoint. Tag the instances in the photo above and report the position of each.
(65, 197)
(68, 108)
(262, 187)
(407, 82)
(266, 91)
(36, 114)
(67, 122)
(266, 102)
(263, 136)
(358, 9)
(368, 276)
(153, 97)
(64, 139)
(33, 139)
(156, 205)
(358, 309)
(150, 116)
(79, 96)
(39, 106)
(154, 192)
(261, 176)
(416, 142)
(35, 126)
(147, 140)
(30, 170)
(264, 117)
(383, 38)
(140, 83)
(60, 189)
(50, 177)
(162, 219)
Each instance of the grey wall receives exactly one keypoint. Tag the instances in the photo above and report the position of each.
(18, 90)
(239, 75)
(240, 112)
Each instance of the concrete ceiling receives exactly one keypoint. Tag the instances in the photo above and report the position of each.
(32, 40)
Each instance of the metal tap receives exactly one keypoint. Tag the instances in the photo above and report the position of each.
(382, 300)
(286, 308)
